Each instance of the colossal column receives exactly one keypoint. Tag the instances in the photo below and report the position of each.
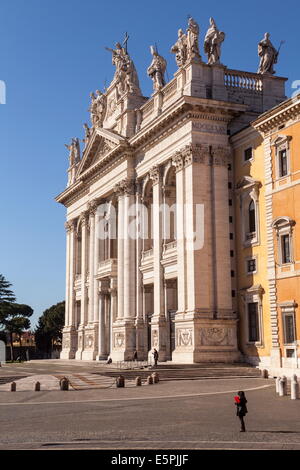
(89, 352)
(69, 331)
(83, 302)
(158, 321)
(124, 343)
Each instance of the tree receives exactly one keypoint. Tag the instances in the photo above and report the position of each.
(14, 318)
(6, 295)
(49, 329)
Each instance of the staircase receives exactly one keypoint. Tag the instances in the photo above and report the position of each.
(188, 371)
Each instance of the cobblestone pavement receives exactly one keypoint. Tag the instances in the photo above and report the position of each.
(197, 414)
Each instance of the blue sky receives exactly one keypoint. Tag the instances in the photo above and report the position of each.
(51, 57)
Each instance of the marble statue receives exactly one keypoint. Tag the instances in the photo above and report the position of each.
(97, 108)
(180, 49)
(212, 43)
(192, 40)
(87, 131)
(268, 55)
(125, 77)
(74, 151)
(157, 69)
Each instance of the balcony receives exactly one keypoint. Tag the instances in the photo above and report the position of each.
(108, 268)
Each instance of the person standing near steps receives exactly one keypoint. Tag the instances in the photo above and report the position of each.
(241, 408)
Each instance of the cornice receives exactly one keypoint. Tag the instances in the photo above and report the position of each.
(289, 109)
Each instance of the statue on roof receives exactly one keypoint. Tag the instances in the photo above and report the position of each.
(97, 108)
(212, 43)
(157, 69)
(268, 55)
(192, 40)
(180, 49)
(74, 151)
(126, 77)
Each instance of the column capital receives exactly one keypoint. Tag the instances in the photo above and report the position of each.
(92, 207)
(125, 187)
(70, 225)
(197, 153)
(155, 174)
(220, 155)
(177, 160)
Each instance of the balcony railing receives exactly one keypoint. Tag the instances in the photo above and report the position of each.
(108, 267)
(243, 80)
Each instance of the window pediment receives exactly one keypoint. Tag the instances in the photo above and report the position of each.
(247, 183)
(283, 222)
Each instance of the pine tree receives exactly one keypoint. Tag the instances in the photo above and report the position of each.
(6, 295)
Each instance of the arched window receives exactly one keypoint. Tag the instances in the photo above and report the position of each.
(251, 215)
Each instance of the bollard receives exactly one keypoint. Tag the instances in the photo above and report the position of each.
(138, 381)
(13, 387)
(155, 377)
(120, 381)
(282, 386)
(294, 387)
(64, 384)
(277, 384)
(149, 380)
(37, 387)
(264, 374)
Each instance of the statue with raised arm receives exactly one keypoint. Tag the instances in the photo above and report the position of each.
(157, 69)
(126, 77)
(180, 49)
(212, 43)
(268, 55)
(74, 151)
(192, 40)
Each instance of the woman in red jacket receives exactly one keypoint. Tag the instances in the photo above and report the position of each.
(240, 402)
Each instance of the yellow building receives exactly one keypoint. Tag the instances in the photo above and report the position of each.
(267, 203)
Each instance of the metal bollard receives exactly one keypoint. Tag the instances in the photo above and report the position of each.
(120, 381)
(155, 377)
(37, 387)
(277, 384)
(149, 380)
(138, 381)
(13, 387)
(294, 387)
(282, 386)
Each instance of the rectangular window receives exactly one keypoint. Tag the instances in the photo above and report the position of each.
(285, 249)
(251, 265)
(248, 154)
(289, 330)
(282, 157)
(253, 324)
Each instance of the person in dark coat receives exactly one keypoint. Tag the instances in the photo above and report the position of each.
(155, 356)
(241, 408)
(135, 355)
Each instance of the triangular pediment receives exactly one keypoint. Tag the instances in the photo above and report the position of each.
(101, 143)
(247, 182)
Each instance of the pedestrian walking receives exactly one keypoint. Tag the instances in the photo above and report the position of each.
(155, 356)
(135, 355)
(241, 408)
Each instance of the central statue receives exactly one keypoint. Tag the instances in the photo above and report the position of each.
(125, 77)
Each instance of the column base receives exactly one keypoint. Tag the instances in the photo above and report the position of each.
(69, 341)
(205, 340)
(159, 337)
(90, 351)
(123, 340)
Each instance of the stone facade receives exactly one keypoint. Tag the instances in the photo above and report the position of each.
(149, 218)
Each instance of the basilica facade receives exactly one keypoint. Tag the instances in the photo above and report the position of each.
(157, 220)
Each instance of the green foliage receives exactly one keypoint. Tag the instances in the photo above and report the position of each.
(14, 318)
(49, 329)
(6, 294)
